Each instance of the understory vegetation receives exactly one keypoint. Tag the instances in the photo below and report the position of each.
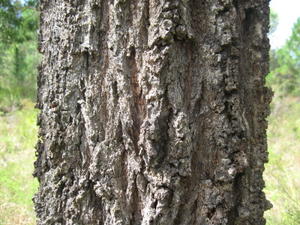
(282, 175)
(17, 186)
(18, 131)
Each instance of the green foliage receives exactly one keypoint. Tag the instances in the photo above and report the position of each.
(18, 52)
(18, 21)
(285, 66)
(18, 74)
(9, 21)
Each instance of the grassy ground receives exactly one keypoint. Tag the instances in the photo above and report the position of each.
(282, 176)
(17, 140)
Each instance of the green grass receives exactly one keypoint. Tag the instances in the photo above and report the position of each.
(282, 174)
(17, 186)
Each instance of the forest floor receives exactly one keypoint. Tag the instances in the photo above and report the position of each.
(282, 174)
(18, 135)
(17, 186)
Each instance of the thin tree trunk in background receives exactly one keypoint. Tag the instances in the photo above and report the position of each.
(152, 112)
(17, 61)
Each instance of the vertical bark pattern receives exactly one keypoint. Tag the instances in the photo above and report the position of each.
(152, 112)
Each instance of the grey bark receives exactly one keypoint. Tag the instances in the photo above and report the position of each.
(152, 112)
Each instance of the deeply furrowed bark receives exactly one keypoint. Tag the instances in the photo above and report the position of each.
(152, 112)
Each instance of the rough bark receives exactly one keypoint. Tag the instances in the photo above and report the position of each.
(152, 112)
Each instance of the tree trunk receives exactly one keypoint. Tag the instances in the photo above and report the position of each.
(152, 112)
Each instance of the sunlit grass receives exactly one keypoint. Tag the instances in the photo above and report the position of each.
(17, 139)
(282, 173)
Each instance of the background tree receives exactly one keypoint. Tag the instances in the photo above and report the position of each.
(152, 112)
(273, 22)
(18, 57)
(285, 65)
